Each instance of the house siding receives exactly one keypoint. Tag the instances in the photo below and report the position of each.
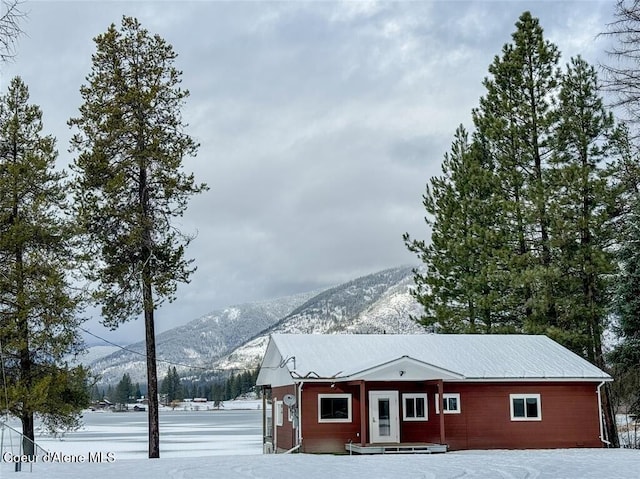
(569, 416)
(328, 437)
(285, 434)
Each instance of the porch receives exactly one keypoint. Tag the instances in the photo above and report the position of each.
(395, 448)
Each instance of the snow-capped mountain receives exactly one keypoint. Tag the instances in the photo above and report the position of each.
(377, 303)
(236, 337)
(198, 343)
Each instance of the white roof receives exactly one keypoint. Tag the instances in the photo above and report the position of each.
(454, 357)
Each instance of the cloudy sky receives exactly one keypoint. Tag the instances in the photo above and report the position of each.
(319, 123)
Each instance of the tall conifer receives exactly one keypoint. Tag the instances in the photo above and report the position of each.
(38, 308)
(130, 183)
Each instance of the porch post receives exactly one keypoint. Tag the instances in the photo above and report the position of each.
(264, 417)
(441, 409)
(363, 415)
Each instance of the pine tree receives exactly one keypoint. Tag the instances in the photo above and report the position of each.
(38, 310)
(583, 211)
(623, 80)
(137, 391)
(626, 305)
(460, 286)
(516, 119)
(124, 389)
(522, 219)
(130, 183)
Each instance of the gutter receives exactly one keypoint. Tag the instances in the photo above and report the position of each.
(600, 418)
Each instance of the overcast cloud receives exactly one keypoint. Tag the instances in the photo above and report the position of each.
(319, 123)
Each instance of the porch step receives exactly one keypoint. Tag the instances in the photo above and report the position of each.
(406, 450)
(423, 448)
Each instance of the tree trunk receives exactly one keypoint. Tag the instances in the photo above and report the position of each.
(28, 434)
(152, 375)
(610, 427)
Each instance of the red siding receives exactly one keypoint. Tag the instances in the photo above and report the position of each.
(328, 437)
(569, 416)
(285, 436)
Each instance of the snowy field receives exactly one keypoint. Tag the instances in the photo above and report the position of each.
(227, 444)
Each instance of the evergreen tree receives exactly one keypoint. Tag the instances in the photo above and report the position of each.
(626, 306)
(623, 79)
(164, 385)
(516, 120)
(38, 309)
(528, 246)
(171, 385)
(460, 286)
(130, 184)
(124, 389)
(95, 394)
(137, 391)
(583, 211)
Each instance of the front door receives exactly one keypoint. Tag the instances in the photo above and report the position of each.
(384, 421)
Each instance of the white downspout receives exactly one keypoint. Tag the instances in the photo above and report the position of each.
(600, 418)
(300, 384)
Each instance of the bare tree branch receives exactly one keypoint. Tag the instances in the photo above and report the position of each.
(10, 30)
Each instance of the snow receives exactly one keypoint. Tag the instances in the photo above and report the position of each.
(556, 464)
(479, 356)
(227, 444)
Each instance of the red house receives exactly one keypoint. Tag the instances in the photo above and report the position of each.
(427, 393)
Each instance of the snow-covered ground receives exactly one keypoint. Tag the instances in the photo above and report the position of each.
(556, 464)
(227, 444)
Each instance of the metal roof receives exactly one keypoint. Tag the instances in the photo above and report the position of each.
(465, 357)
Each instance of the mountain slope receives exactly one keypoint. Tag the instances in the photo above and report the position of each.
(199, 342)
(236, 337)
(377, 303)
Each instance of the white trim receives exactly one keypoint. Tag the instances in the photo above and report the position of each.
(393, 435)
(512, 397)
(279, 413)
(404, 368)
(531, 379)
(600, 415)
(415, 396)
(299, 428)
(462, 380)
(445, 397)
(335, 396)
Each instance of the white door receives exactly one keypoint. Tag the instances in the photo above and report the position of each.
(384, 421)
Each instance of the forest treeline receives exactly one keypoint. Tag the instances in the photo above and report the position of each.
(173, 388)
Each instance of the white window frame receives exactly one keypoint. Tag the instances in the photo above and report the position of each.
(525, 397)
(445, 397)
(334, 396)
(279, 413)
(414, 396)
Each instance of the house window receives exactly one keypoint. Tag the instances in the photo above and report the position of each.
(525, 407)
(414, 407)
(279, 413)
(334, 407)
(450, 402)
